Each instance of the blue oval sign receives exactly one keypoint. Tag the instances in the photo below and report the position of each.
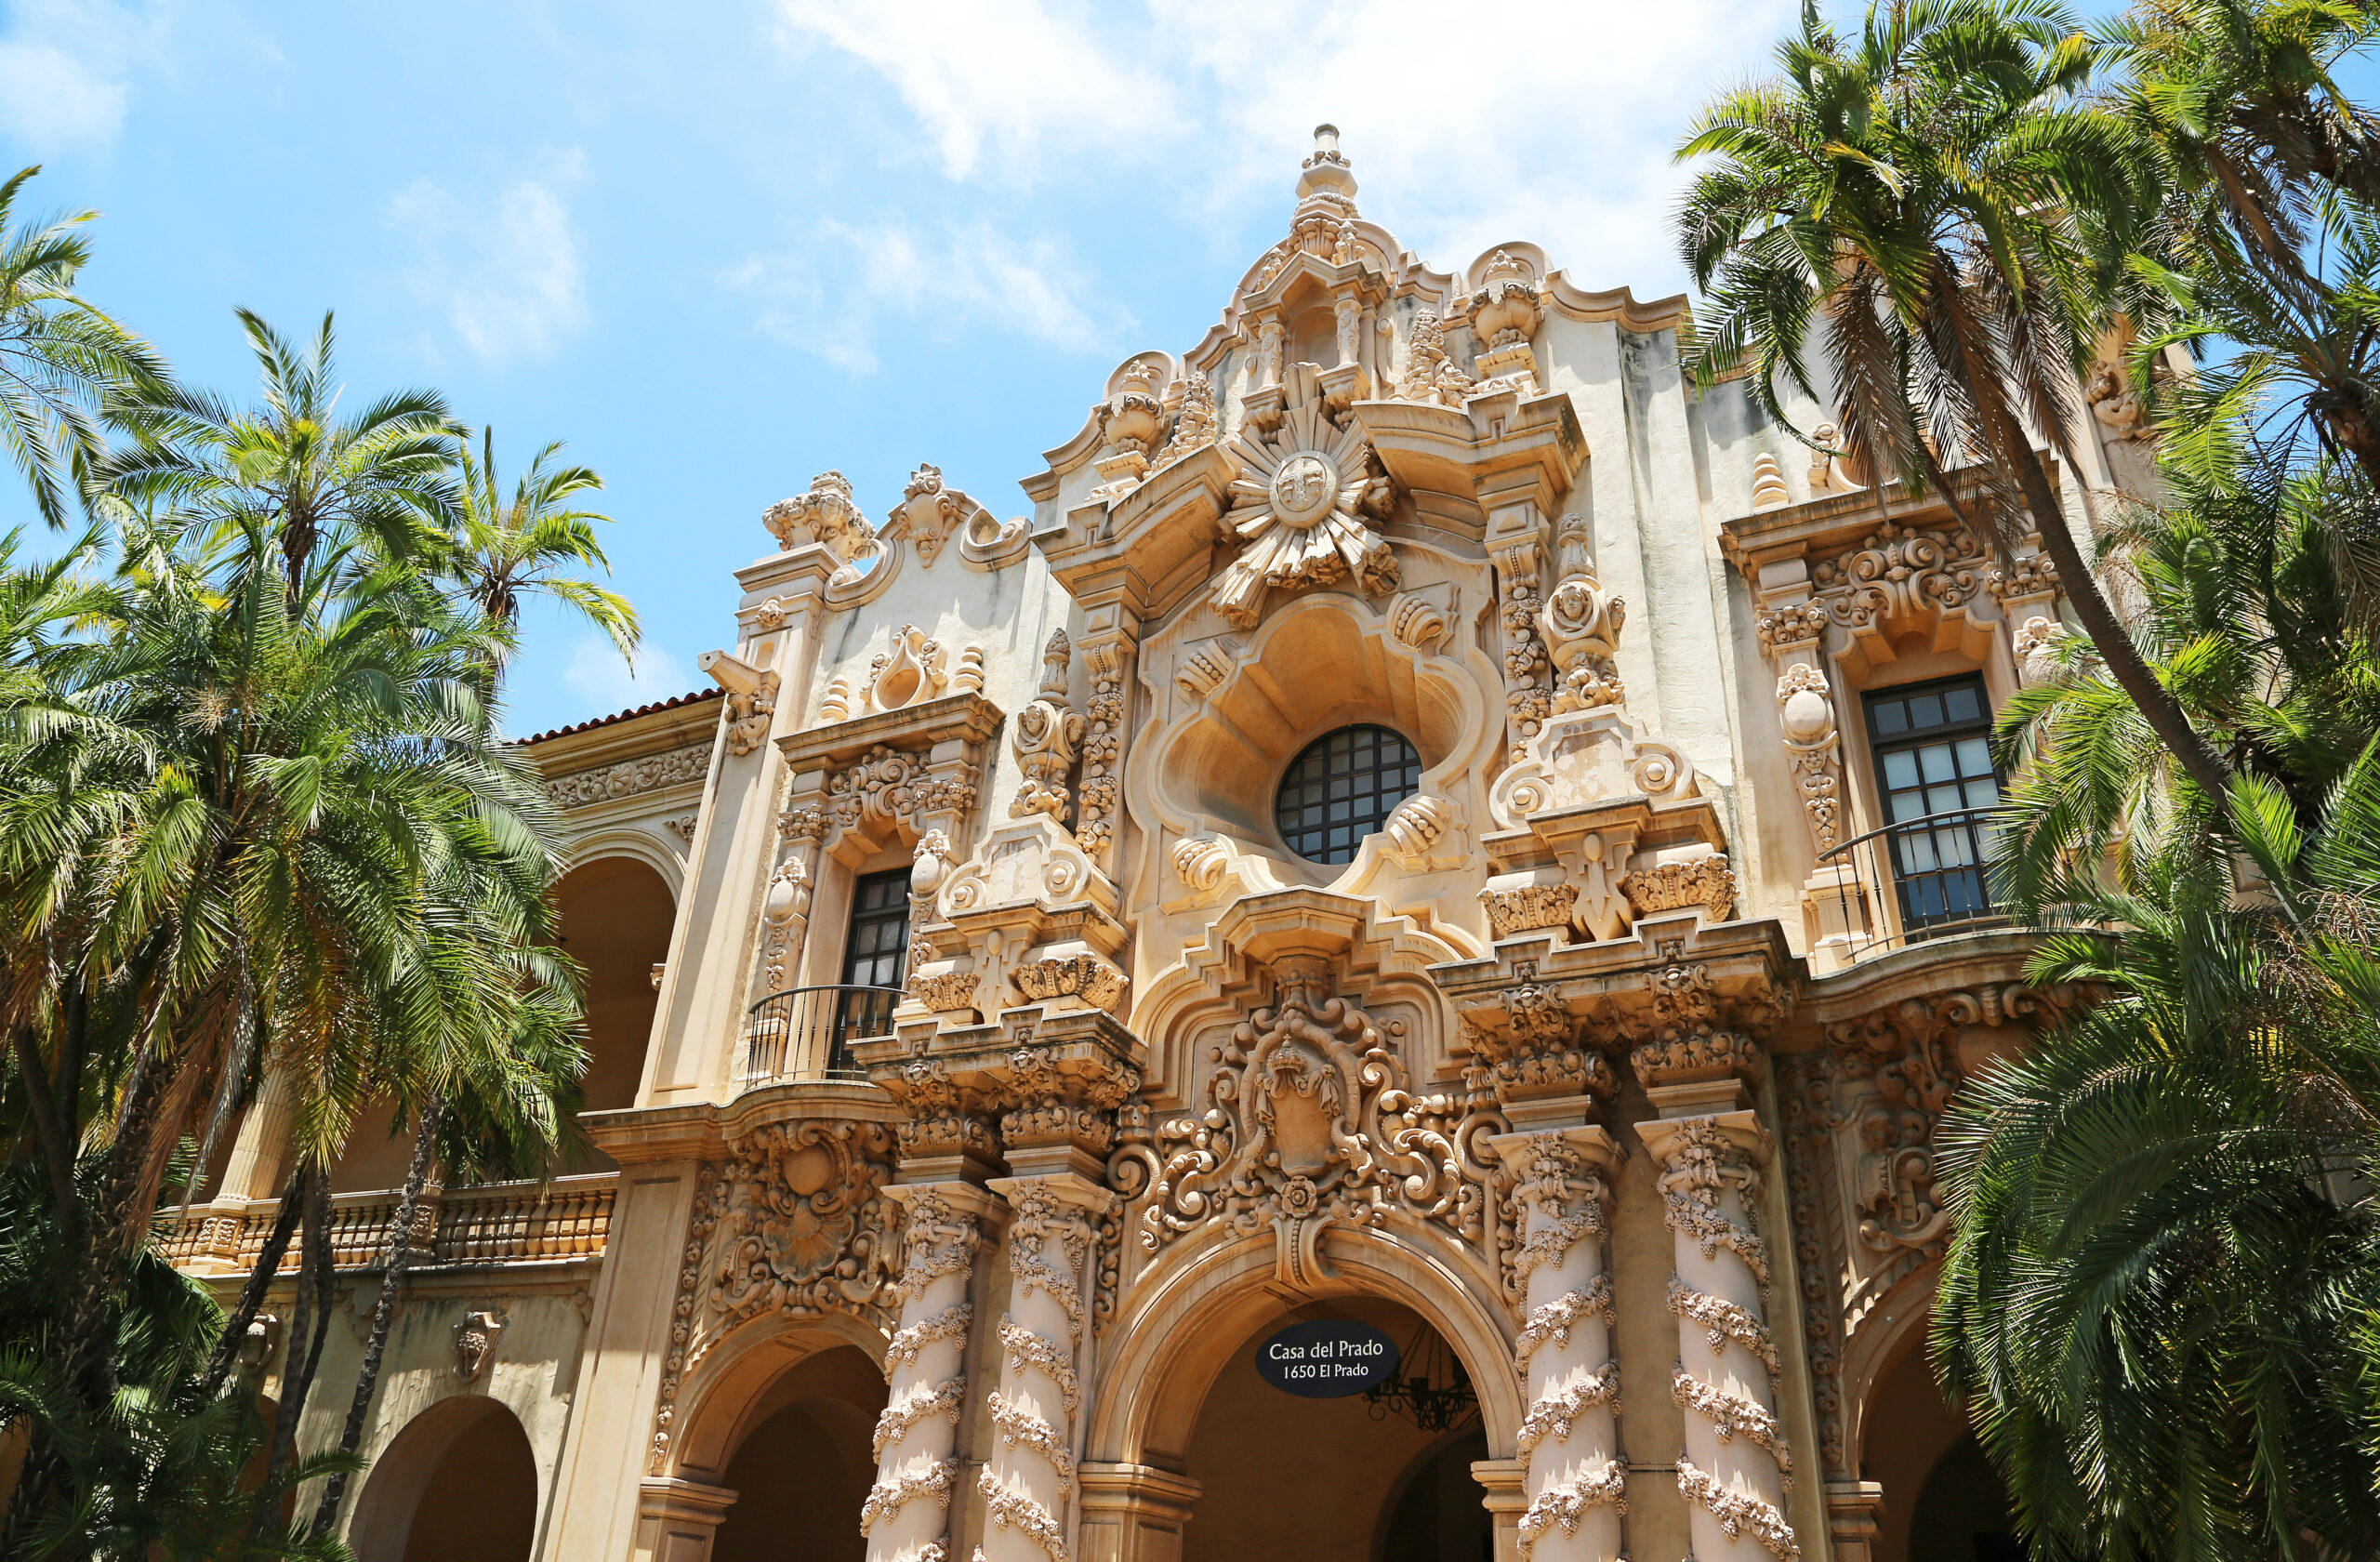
(1325, 1360)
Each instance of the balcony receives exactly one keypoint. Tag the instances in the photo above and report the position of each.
(806, 1033)
(492, 1222)
(1911, 881)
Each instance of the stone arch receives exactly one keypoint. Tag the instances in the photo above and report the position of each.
(629, 841)
(729, 1391)
(1243, 708)
(466, 1464)
(616, 916)
(1183, 1319)
(1891, 1328)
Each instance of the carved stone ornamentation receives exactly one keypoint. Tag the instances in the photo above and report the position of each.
(1095, 982)
(1795, 624)
(929, 513)
(475, 1340)
(1195, 426)
(907, 1510)
(1297, 506)
(1805, 708)
(911, 672)
(785, 915)
(1529, 907)
(1306, 1121)
(675, 768)
(1769, 483)
(1540, 1053)
(1581, 624)
(1418, 622)
(2115, 403)
(889, 785)
(825, 516)
(1431, 374)
(1104, 658)
(1901, 572)
(800, 1227)
(1704, 881)
(1047, 734)
(1529, 695)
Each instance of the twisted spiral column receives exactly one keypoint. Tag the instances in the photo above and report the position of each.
(1736, 1467)
(1575, 1485)
(905, 1517)
(1028, 1482)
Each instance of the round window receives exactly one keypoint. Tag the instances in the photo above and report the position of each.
(1340, 789)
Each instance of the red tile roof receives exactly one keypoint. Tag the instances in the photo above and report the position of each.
(671, 704)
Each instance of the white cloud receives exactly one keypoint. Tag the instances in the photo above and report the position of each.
(968, 273)
(49, 98)
(505, 267)
(1556, 128)
(599, 675)
(66, 67)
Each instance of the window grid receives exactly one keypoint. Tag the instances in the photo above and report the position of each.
(1931, 744)
(1341, 788)
(876, 945)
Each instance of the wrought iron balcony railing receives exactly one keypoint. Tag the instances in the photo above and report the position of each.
(1911, 881)
(806, 1033)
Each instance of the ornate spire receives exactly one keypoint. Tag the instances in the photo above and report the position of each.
(1328, 171)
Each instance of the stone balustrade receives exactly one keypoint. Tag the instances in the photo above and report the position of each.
(493, 1223)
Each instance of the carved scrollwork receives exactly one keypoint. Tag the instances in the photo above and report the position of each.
(802, 1227)
(1900, 572)
(1307, 1119)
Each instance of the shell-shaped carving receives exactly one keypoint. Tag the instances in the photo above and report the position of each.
(1417, 621)
(1200, 861)
(911, 673)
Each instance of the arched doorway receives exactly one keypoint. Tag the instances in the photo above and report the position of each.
(459, 1484)
(802, 1468)
(1334, 1480)
(1943, 1500)
(616, 919)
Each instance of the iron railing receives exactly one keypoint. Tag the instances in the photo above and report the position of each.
(1915, 880)
(808, 1032)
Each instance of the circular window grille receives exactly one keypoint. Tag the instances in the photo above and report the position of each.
(1340, 789)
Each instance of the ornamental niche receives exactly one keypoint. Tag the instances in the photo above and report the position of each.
(1306, 1121)
(1299, 502)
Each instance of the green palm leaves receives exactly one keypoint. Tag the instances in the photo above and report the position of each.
(62, 361)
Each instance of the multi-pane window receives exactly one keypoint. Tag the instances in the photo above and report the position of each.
(1340, 789)
(1932, 746)
(875, 946)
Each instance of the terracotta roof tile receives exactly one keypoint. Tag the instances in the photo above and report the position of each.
(671, 704)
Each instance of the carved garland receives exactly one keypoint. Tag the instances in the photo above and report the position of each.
(675, 768)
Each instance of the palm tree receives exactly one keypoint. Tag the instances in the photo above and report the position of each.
(508, 550)
(2264, 248)
(509, 1066)
(1930, 201)
(61, 360)
(293, 466)
(2160, 1296)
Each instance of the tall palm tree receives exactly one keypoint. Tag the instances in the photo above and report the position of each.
(61, 359)
(498, 1077)
(293, 466)
(1929, 202)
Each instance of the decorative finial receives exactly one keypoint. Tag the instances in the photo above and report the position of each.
(1327, 172)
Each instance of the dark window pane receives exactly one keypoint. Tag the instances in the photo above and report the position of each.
(1891, 717)
(1341, 787)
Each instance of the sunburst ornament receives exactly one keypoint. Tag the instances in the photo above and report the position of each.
(1297, 503)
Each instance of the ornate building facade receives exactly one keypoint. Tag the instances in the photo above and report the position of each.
(1429, 822)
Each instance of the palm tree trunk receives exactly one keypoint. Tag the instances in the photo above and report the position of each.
(367, 1378)
(116, 1220)
(309, 1326)
(2152, 699)
(252, 1295)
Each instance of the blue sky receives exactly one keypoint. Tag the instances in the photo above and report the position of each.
(721, 248)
